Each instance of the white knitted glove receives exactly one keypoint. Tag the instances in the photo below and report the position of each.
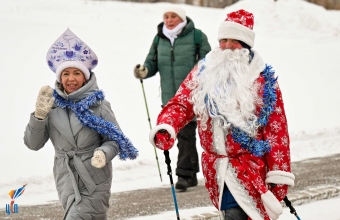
(140, 71)
(98, 160)
(44, 102)
(272, 205)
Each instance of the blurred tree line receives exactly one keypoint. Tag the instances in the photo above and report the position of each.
(328, 4)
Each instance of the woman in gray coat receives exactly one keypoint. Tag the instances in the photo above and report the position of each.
(82, 128)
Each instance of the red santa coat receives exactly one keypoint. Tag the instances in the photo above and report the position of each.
(224, 161)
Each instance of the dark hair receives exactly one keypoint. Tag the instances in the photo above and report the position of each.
(244, 45)
(251, 53)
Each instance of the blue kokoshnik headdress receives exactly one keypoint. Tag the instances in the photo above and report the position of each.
(100, 125)
(70, 51)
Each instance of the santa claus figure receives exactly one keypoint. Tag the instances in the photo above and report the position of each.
(241, 123)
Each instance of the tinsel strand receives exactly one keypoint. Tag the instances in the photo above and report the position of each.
(100, 125)
(259, 147)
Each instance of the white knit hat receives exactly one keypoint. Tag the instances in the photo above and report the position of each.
(239, 26)
(69, 51)
(176, 9)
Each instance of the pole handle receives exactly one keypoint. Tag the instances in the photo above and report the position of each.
(288, 203)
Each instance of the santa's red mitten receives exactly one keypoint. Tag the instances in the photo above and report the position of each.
(279, 191)
(163, 140)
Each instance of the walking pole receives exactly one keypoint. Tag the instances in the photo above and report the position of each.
(168, 161)
(147, 111)
(288, 204)
(291, 208)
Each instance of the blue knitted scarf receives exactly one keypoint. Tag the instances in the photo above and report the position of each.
(100, 125)
(259, 147)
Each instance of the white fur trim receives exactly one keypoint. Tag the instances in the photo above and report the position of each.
(219, 138)
(233, 30)
(256, 66)
(75, 64)
(175, 9)
(280, 177)
(69, 47)
(222, 174)
(241, 196)
(272, 205)
(166, 127)
(221, 215)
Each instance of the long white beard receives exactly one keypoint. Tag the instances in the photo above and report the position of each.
(223, 90)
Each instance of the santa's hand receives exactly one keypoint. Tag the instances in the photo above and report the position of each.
(272, 205)
(140, 71)
(163, 140)
(279, 191)
(98, 160)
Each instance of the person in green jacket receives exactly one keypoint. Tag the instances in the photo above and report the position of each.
(175, 50)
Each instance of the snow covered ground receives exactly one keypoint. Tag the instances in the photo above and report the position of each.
(324, 209)
(300, 40)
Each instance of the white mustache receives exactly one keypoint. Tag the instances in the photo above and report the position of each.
(224, 78)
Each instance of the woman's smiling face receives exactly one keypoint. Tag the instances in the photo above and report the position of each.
(72, 79)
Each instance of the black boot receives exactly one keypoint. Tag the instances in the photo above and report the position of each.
(192, 181)
(181, 184)
(187, 162)
(186, 181)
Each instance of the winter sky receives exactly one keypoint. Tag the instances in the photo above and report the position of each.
(300, 40)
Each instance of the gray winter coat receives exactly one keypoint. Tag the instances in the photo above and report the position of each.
(83, 190)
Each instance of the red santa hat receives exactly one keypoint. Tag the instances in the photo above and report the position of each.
(239, 26)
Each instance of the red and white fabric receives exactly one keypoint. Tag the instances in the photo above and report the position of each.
(224, 161)
(238, 25)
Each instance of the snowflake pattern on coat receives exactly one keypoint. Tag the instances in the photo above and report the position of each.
(249, 170)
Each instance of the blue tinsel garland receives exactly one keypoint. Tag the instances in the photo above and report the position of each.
(259, 147)
(256, 147)
(103, 127)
